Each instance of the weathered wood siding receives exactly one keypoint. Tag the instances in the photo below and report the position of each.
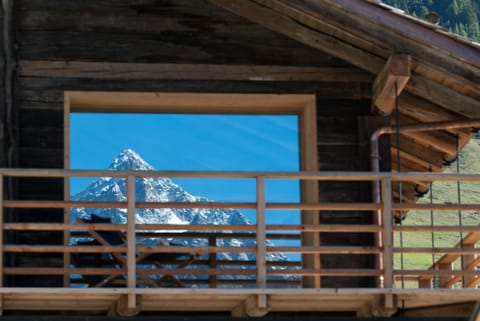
(344, 127)
(163, 31)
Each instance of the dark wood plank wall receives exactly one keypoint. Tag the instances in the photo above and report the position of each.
(344, 127)
(175, 31)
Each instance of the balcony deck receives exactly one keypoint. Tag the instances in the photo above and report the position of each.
(250, 287)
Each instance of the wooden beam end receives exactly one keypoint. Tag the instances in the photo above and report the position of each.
(254, 306)
(390, 82)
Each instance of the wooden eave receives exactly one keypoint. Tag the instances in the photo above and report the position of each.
(444, 83)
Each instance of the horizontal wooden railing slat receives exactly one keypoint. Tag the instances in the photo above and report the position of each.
(288, 233)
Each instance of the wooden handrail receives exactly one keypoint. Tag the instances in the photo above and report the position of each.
(261, 231)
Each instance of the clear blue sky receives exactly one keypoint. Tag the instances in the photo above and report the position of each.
(194, 142)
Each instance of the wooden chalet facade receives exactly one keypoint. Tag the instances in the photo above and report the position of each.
(342, 66)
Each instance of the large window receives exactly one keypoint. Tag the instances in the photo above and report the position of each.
(96, 126)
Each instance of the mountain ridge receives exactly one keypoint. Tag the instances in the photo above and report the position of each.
(162, 190)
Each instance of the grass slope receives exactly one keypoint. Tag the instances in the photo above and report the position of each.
(443, 192)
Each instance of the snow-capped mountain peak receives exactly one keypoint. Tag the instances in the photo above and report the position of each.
(128, 159)
(160, 190)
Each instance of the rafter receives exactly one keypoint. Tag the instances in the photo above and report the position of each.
(278, 22)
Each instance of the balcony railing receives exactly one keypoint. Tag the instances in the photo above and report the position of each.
(94, 261)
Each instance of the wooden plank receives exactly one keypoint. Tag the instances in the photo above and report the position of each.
(213, 205)
(196, 103)
(353, 176)
(161, 71)
(441, 141)
(260, 238)
(309, 189)
(387, 260)
(459, 83)
(131, 301)
(390, 82)
(144, 32)
(422, 110)
(413, 158)
(408, 164)
(443, 229)
(436, 207)
(65, 271)
(445, 97)
(265, 16)
(35, 97)
(455, 251)
(63, 249)
(440, 311)
(325, 249)
(426, 155)
(8, 121)
(444, 278)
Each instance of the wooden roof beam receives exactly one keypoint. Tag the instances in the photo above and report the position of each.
(265, 14)
(441, 141)
(167, 71)
(302, 22)
(411, 158)
(390, 82)
(422, 110)
(429, 155)
(438, 139)
(444, 96)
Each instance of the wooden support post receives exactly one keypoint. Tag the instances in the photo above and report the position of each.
(391, 80)
(387, 234)
(131, 241)
(444, 279)
(261, 235)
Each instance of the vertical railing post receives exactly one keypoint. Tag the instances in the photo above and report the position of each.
(131, 241)
(387, 233)
(261, 234)
(66, 233)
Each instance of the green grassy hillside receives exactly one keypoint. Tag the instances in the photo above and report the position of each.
(441, 193)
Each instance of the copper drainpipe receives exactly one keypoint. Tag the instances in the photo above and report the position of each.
(375, 155)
